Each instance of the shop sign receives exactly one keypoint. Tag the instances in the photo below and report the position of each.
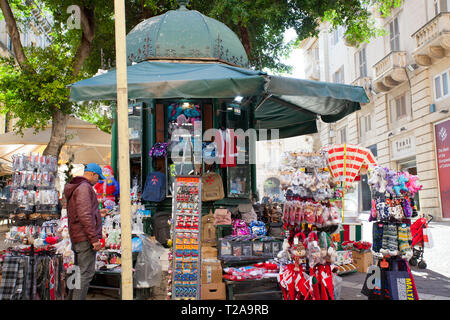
(403, 148)
(442, 131)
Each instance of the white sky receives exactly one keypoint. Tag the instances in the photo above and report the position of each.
(296, 58)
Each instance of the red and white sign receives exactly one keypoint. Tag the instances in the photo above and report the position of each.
(442, 131)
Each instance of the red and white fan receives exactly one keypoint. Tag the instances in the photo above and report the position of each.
(356, 159)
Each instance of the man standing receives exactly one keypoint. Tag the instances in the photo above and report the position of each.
(85, 224)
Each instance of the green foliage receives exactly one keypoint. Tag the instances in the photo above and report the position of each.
(96, 113)
(32, 94)
(260, 24)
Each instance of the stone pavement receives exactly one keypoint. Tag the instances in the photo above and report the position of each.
(430, 285)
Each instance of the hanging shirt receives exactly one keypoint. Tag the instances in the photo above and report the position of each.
(226, 147)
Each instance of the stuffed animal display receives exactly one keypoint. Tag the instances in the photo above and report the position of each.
(107, 189)
(384, 180)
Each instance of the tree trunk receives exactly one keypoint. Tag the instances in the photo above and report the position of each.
(14, 34)
(85, 48)
(58, 136)
(245, 38)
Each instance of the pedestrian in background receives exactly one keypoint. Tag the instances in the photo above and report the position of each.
(85, 224)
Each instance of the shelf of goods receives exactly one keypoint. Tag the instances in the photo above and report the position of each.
(314, 186)
(186, 235)
(392, 209)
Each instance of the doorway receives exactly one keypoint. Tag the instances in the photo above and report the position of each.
(410, 166)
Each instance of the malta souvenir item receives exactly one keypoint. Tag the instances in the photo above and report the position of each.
(107, 189)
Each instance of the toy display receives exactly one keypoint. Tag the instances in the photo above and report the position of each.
(392, 209)
(107, 189)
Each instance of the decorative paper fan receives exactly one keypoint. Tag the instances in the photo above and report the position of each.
(354, 158)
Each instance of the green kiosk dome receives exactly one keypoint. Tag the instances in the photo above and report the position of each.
(185, 35)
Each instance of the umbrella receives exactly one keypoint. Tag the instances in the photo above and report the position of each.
(288, 104)
(346, 161)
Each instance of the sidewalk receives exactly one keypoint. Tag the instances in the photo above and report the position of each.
(430, 285)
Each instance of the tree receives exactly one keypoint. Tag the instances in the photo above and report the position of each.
(33, 85)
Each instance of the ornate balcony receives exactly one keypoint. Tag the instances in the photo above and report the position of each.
(390, 71)
(432, 40)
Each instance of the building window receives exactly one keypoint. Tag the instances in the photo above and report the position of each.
(394, 35)
(365, 125)
(337, 35)
(441, 6)
(441, 90)
(361, 62)
(338, 76)
(342, 135)
(398, 108)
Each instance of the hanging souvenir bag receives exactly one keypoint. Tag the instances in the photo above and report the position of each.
(222, 216)
(400, 282)
(427, 239)
(212, 187)
(208, 230)
(240, 228)
(155, 187)
(247, 212)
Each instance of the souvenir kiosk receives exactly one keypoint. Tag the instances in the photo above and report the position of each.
(188, 71)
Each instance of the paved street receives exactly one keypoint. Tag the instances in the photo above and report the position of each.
(433, 283)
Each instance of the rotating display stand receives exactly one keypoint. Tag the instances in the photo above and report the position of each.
(186, 232)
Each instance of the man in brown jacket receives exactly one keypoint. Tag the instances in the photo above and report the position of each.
(85, 224)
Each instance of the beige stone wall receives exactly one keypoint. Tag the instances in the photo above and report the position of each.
(419, 92)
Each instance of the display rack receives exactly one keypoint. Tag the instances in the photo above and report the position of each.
(186, 216)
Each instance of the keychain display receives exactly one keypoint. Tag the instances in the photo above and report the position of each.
(33, 190)
(186, 235)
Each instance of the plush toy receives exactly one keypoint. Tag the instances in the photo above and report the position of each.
(107, 191)
(401, 180)
(392, 181)
(412, 185)
(284, 253)
(174, 111)
(377, 179)
(313, 249)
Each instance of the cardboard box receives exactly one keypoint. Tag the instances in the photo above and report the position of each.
(363, 260)
(211, 271)
(209, 252)
(213, 291)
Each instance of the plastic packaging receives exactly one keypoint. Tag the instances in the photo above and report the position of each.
(337, 285)
(148, 265)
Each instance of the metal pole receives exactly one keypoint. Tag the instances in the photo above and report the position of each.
(124, 155)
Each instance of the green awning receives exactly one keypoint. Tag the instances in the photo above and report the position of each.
(289, 104)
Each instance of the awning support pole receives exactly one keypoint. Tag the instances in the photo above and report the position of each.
(124, 155)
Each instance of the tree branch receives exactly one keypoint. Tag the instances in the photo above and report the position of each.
(88, 32)
(14, 34)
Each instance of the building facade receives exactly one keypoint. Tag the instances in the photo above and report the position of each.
(406, 77)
